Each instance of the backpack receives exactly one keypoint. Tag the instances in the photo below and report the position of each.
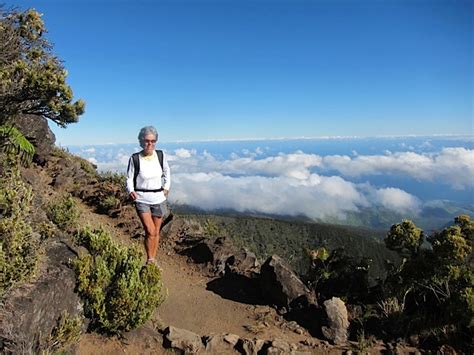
(136, 165)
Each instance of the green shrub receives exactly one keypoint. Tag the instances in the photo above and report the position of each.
(18, 246)
(119, 292)
(88, 167)
(108, 204)
(63, 212)
(436, 285)
(211, 228)
(47, 229)
(333, 273)
(115, 178)
(67, 332)
(60, 152)
(15, 195)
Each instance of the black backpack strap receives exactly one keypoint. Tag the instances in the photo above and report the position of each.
(160, 158)
(136, 166)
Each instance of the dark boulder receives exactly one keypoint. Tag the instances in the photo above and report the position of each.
(36, 130)
(213, 252)
(31, 311)
(282, 287)
(244, 263)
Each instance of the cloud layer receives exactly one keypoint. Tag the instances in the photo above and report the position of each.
(299, 183)
(286, 184)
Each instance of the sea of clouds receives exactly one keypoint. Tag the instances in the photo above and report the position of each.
(294, 182)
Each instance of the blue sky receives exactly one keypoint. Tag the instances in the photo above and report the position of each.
(264, 69)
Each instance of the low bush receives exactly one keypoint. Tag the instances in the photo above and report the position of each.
(67, 332)
(18, 246)
(47, 229)
(119, 293)
(88, 167)
(60, 152)
(63, 212)
(115, 178)
(108, 204)
(211, 228)
(333, 273)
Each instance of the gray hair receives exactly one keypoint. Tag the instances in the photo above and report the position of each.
(144, 132)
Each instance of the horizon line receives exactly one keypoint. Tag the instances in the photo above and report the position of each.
(210, 140)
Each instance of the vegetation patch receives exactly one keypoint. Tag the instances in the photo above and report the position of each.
(18, 246)
(434, 287)
(113, 178)
(63, 212)
(428, 295)
(68, 331)
(119, 293)
(108, 205)
(47, 229)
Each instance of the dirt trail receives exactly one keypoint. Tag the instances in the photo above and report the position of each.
(189, 304)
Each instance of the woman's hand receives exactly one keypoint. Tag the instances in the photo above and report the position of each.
(166, 192)
(133, 195)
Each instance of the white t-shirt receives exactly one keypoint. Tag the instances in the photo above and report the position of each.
(150, 177)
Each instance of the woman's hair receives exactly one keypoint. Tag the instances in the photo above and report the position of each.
(144, 132)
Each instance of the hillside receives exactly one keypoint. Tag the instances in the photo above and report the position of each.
(292, 239)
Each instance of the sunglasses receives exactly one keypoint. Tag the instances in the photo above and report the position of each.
(150, 141)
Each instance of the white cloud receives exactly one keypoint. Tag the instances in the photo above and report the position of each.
(317, 197)
(397, 200)
(184, 153)
(453, 166)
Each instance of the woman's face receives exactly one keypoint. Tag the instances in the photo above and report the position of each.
(149, 144)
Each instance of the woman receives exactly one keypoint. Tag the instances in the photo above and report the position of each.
(148, 183)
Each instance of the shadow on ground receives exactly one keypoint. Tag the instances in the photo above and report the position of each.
(237, 288)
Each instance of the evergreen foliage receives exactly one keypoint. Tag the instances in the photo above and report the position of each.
(404, 236)
(430, 294)
(67, 332)
(63, 212)
(18, 246)
(119, 293)
(435, 285)
(335, 274)
(32, 79)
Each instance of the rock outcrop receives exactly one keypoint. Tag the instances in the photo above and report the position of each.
(191, 343)
(184, 340)
(31, 311)
(36, 130)
(221, 343)
(282, 287)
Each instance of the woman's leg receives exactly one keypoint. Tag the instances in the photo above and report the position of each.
(151, 234)
(157, 223)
